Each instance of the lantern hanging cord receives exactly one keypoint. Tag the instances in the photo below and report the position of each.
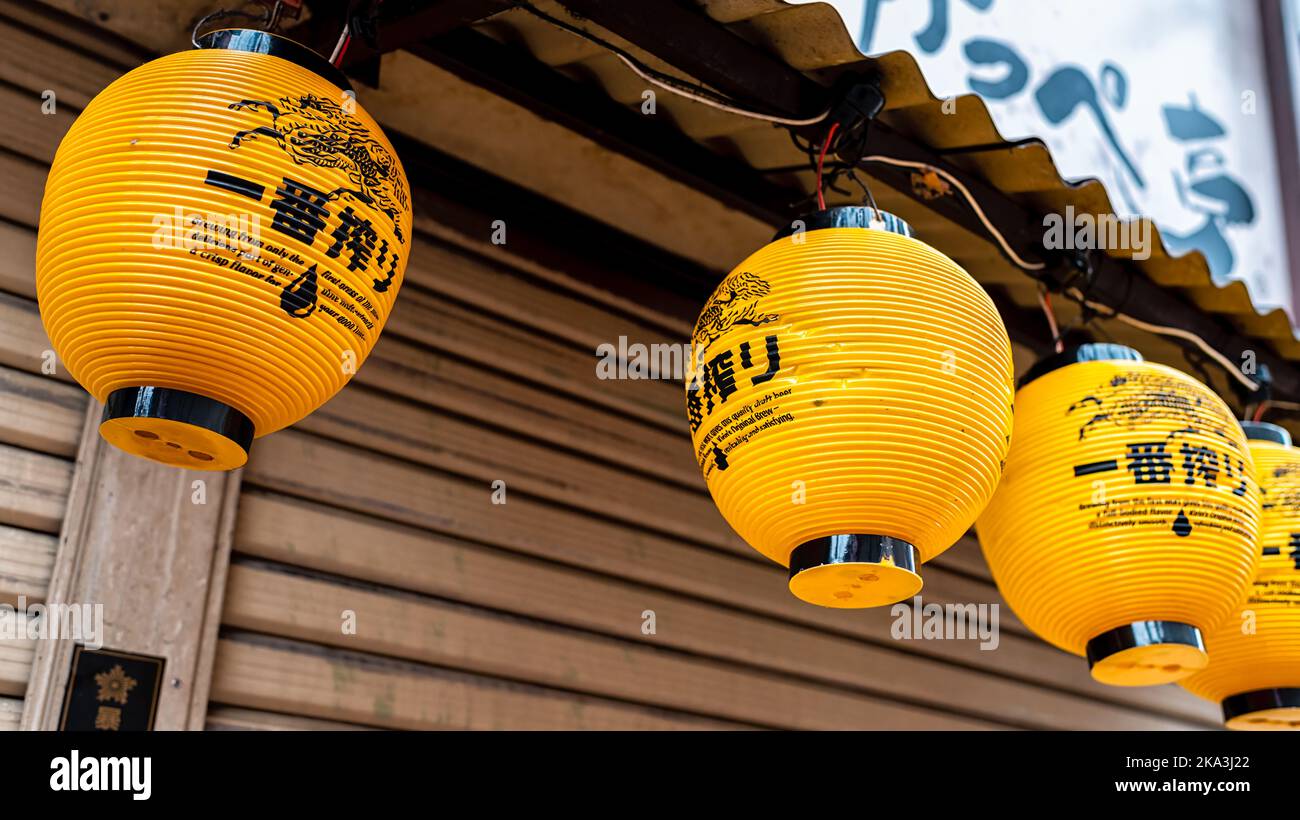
(341, 47)
(833, 170)
(1045, 299)
(1283, 405)
(1103, 310)
(268, 19)
(846, 140)
(821, 161)
(970, 200)
(866, 193)
(668, 82)
(365, 26)
(1175, 332)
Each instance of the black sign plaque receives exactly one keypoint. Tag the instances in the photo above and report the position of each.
(111, 691)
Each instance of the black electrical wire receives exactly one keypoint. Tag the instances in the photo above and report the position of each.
(672, 83)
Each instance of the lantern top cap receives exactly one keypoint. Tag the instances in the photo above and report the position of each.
(264, 42)
(846, 216)
(1091, 352)
(1264, 431)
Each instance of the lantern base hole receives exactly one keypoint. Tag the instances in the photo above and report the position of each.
(854, 571)
(177, 428)
(1146, 653)
(1263, 710)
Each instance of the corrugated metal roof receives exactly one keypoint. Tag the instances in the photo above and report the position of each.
(813, 38)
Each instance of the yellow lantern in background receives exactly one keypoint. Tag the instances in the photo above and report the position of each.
(1127, 522)
(1254, 669)
(851, 404)
(222, 237)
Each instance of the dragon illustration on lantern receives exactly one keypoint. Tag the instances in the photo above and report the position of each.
(316, 131)
(737, 305)
(1132, 400)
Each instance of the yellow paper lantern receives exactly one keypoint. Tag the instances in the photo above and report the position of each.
(222, 237)
(1127, 520)
(1254, 669)
(851, 404)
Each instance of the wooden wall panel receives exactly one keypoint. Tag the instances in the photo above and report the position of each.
(38, 438)
(26, 559)
(285, 676)
(347, 545)
(440, 634)
(11, 712)
(30, 61)
(33, 489)
(441, 381)
(40, 413)
(40, 425)
(16, 663)
(495, 343)
(234, 718)
(310, 467)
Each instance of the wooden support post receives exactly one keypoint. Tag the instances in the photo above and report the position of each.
(151, 544)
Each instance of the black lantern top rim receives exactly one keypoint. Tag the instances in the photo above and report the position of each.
(1265, 431)
(846, 216)
(256, 41)
(1090, 352)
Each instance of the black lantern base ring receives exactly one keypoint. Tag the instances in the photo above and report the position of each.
(1146, 653)
(1263, 709)
(177, 427)
(854, 571)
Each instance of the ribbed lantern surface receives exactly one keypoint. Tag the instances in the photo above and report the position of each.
(222, 237)
(1254, 669)
(851, 407)
(1127, 521)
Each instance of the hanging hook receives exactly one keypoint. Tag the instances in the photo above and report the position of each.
(267, 20)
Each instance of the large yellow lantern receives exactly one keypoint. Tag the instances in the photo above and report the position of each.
(851, 404)
(1254, 669)
(222, 237)
(1127, 520)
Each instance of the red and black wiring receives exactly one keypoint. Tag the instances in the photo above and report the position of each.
(841, 138)
(341, 47)
(358, 23)
(1045, 300)
(821, 161)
